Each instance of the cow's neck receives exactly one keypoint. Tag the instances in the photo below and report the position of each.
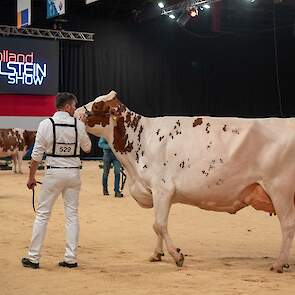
(124, 137)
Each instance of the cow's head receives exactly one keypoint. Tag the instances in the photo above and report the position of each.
(104, 111)
(105, 116)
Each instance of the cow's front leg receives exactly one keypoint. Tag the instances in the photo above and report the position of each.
(14, 157)
(158, 253)
(162, 199)
(286, 213)
(20, 160)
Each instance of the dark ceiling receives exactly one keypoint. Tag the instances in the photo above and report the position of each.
(236, 15)
(101, 8)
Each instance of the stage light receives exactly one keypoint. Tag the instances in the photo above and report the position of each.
(161, 4)
(207, 6)
(172, 16)
(193, 12)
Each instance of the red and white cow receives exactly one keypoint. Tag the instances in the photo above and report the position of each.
(220, 164)
(14, 143)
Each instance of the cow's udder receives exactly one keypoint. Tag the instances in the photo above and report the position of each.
(255, 196)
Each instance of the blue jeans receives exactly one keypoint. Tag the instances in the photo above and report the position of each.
(108, 159)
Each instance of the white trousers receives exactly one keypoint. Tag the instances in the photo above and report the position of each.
(56, 181)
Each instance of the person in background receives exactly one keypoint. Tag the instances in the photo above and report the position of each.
(60, 137)
(108, 159)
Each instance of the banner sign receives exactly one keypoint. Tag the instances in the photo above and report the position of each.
(29, 66)
(55, 8)
(23, 13)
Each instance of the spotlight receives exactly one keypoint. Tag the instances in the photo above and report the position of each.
(161, 4)
(172, 16)
(193, 12)
(206, 6)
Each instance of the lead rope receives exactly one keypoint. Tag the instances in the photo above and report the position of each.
(124, 177)
(33, 197)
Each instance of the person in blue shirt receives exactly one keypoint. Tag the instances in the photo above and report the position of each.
(108, 159)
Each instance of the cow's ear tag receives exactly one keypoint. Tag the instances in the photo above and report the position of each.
(114, 118)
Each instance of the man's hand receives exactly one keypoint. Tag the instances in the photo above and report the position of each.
(80, 115)
(83, 118)
(31, 183)
(32, 180)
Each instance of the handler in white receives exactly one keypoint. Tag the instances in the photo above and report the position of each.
(60, 137)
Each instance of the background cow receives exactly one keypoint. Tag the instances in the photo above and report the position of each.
(14, 143)
(220, 164)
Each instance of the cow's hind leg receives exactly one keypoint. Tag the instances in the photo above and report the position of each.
(162, 202)
(285, 209)
(20, 160)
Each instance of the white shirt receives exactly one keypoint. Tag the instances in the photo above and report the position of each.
(44, 141)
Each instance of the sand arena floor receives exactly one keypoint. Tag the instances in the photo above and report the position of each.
(225, 254)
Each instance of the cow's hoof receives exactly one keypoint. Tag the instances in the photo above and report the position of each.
(156, 257)
(179, 263)
(277, 268)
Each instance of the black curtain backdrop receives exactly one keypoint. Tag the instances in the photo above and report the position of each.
(159, 68)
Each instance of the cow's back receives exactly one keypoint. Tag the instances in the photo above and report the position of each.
(11, 140)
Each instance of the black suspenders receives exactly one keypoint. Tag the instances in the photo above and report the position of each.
(54, 139)
(76, 137)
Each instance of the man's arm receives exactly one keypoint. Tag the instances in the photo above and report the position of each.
(37, 154)
(85, 142)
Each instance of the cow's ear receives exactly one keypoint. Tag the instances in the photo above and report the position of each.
(106, 109)
(98, 107)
